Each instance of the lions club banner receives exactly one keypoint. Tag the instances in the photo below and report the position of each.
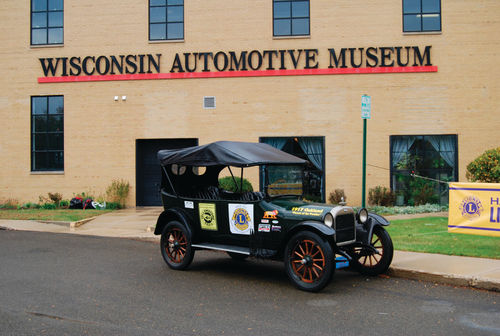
(475, 208)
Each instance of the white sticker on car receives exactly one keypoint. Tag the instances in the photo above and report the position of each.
(241, 218)
(189, 205)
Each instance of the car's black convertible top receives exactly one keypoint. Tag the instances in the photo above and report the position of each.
(227, 153)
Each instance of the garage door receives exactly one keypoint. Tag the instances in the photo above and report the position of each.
(148, 171)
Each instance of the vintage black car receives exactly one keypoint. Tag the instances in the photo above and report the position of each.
(312, 239)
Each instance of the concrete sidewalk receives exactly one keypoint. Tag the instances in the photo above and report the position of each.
(139, 223)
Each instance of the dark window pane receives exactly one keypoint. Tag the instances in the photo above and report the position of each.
(39, 20)
(411, 23)
(176, 2)
(40, 141)
(39, 5)
(431, 6)
(175, 31)
(55, 35)
(300, 9)
(55, 142)
(175, 14)
(40, 161)
(39, 123)
(281, 10)
(282, 27)
(411, 6)
(55, 161)
(157, 32)
(431, 22)
(55, 5)
(55, 19)
(39, 105)
(56, 105)
(157, 14)
(157, 2)
(300, 27)
(55, 123)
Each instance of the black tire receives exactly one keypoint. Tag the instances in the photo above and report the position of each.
(369, 263)
(309, 261)
(175, 246)
(237, 256)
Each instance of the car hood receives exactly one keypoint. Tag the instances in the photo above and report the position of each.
(305, 210)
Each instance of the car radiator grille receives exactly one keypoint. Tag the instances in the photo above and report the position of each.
(345, 228)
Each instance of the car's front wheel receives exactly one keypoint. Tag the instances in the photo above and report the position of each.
(309, 261)
(176, 246)
(369, 262)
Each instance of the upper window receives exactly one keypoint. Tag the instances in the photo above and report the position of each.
(291, 18)
(47, 22)
(421, 15)
(166, 20)
(47, 133)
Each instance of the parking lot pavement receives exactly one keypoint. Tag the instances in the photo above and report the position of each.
(139, 223)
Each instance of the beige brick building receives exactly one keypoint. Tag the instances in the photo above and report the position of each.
(91, 89)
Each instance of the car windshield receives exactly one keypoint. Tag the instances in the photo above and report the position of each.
(284, 180)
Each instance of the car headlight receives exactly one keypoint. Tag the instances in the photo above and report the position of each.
(328, 220)
(362, 215)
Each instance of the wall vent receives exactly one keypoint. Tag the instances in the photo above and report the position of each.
(209, 102)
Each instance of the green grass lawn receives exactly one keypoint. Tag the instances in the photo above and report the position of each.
(430, 234)
(66, 215)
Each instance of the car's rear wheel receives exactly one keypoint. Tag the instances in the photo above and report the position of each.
(309, 261)
(367, 261)
(176, 246)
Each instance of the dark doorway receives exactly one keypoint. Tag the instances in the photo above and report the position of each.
(148, 173)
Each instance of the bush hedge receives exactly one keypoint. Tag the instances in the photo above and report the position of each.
(485, 168)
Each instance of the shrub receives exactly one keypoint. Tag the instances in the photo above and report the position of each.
(118, 192)
(113, 205)
(337, 196)
(485, 168)
(48, 206)
(381, 196)
(56, 198)
(227, 183)
(9, 204)
(64, 204)
(30, 205)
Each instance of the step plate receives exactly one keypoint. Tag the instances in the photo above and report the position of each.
(225, 248)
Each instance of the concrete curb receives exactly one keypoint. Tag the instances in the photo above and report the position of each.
(70, 225)
(447, 279)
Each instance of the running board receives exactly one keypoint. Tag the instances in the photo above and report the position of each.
(226, 248)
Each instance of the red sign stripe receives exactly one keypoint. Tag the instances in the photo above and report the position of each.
(230, 74)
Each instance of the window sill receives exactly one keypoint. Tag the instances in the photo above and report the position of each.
(37, 46)
(291, 37)
(423, 33)
(48, 172)
(166, 41)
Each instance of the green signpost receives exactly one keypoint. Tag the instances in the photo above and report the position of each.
(366, 107)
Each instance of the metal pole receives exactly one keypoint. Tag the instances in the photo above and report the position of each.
(363, 190)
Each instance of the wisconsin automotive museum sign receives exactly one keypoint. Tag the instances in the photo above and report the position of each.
(254, 63)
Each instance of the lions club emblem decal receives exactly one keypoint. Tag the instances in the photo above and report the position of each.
(241, 218)
(471, 207)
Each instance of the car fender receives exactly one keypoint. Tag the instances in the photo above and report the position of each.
(314, 226)
(170, 215)
(373, 221)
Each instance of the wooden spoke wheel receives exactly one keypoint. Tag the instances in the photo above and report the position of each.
(368, 262)
(176, 246)
(309, 261)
